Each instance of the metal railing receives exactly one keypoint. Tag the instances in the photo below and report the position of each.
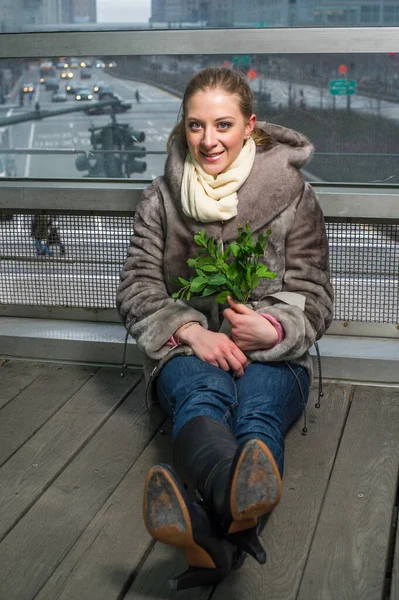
(62, 246)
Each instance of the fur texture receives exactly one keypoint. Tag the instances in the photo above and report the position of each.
(274, 196)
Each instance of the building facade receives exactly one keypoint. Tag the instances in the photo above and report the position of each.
(276, 13)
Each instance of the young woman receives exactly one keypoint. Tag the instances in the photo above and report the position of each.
(232, 397)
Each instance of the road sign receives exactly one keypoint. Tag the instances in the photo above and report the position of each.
(342, 87)
(242, 60)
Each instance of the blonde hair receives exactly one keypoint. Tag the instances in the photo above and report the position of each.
(224, 78)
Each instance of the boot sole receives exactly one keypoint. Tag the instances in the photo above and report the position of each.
(167, 517)
(256, 485)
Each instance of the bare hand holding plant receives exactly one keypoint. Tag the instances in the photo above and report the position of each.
(249, 330)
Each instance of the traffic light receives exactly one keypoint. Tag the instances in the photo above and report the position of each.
(119, 143)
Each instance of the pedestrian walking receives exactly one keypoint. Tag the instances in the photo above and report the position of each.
(45, 233)
(137, 96)
(40, 229)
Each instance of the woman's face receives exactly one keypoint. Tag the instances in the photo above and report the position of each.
(216, 129)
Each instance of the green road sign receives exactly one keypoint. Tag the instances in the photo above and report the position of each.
(242, 60)
(342, 87)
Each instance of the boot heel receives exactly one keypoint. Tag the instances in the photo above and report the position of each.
(249, 542)
(195, 577)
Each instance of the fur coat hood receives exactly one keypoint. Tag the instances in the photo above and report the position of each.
(273, 196)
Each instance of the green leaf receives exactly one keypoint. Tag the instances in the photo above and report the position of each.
(183, 281)
(206, 260)
(211, 246)
(271, 275)
(237, 293)
(235, 248)
(198, 284)
(254, 281)
(218, 279)
(175, 295)
(221, 298)
(232, 270)
(208, 291)
(210, 268)
(200, 238)
(262, 271)
(192, 262)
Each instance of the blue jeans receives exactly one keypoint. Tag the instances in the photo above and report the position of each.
(261, 404)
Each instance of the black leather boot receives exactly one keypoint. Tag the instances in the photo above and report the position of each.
(238, 483)
(172, 518)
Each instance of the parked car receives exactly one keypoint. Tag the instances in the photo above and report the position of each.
(59, 96)
(85, 74)
(52, 84)
(84, 94)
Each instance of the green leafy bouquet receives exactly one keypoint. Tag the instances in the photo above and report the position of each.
(235, 271)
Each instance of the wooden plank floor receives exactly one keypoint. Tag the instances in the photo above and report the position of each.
(76, 443)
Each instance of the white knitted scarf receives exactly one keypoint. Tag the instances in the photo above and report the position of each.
(207, 198)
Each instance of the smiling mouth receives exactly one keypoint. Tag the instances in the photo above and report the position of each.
(213, 155)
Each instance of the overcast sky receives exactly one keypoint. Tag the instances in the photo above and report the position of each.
(123, 10)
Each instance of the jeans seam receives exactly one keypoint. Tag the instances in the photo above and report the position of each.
(234, 405)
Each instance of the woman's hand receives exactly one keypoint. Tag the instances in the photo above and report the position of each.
(249, 330)
(217, 349)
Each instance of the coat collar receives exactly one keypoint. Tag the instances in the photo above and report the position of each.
(272, 185)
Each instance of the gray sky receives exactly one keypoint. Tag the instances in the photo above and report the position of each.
(123, 10)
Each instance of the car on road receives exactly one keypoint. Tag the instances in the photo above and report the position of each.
(72, 88)
(84, 94)
(66, 75)
(51, 84)
(121, 107)
(105, 91)
(85, 74)
(97, 86)
(59, 96)
(74, 63)
(28, 88)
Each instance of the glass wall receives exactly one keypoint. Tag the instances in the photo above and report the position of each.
(63, 117)
(50, 15)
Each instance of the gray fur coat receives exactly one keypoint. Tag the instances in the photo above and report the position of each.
(274, 196)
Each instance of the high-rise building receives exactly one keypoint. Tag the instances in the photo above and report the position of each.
(276, 13)
(333, 13)
(158, 11)
(10, 15)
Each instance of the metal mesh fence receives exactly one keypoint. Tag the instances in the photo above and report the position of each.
(74, 261)
(62, 260)
(364, 261)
